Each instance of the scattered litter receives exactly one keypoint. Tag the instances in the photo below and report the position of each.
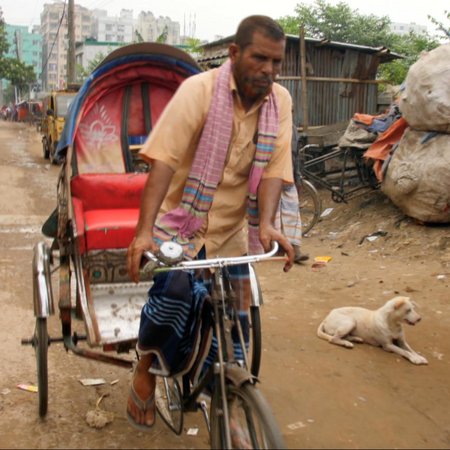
(441, 277)
(344, 254)
(6, 391)
(323, 258)
(192, 432)
(310, 420)
(438, 355)
(114, 382)
(373, 236)
(318, 264)
(99, 418)
(351, 283)
(92, 381)
(296, 425)
(363, 399)
(333, 235)
(97, 403)
(28, 387)
(326, 212)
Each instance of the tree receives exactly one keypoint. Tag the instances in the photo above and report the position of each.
(441, 27)
(12, 69)
(338, 23)
(162, 38)
(342, 24)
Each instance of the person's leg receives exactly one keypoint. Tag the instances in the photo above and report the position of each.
(143, 383)
(163, 323)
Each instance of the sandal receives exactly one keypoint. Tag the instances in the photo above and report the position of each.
(143, 406)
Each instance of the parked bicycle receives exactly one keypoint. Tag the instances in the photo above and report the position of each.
(239, 416)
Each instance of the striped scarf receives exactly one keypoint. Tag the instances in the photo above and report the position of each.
(181, 223)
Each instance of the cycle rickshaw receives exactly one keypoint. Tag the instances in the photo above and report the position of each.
(98, 199)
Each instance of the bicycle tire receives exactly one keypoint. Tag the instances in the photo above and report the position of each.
(169, 404)
(41, 348)
(256, 340)
(310, 205)
(255, 427)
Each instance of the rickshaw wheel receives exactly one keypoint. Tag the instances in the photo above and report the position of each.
(169, 403)
(41, 343)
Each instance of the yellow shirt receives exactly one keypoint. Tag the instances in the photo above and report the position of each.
(174, 140)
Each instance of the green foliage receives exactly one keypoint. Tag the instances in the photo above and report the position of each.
(443, 30)
(338, 23)
(139, 37)
(4, 46)
(162, 38)
(18, 73)
(193, 46)
(342, 24)
(99, 57)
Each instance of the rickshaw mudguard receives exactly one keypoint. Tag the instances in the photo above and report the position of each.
(42, 285)
(238, 376)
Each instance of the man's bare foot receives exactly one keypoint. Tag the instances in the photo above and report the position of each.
(143, 383)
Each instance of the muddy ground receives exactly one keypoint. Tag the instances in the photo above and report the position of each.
(323, 396)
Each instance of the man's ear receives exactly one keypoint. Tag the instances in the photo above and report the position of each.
(233, 51)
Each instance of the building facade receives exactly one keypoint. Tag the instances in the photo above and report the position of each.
(150, 28)
(93, 50)
(406, 28)
(112, 29)
(54, 30)
(25, 46)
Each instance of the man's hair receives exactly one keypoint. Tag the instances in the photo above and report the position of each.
(263, 24)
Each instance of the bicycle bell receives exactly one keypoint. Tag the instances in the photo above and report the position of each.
(170, 253)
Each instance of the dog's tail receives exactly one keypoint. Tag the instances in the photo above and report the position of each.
(322, 333)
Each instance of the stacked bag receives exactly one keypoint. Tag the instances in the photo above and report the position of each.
(417, 179)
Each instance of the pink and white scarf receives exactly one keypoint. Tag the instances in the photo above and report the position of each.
(181, 223)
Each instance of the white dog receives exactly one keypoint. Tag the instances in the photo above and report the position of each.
(382, 327)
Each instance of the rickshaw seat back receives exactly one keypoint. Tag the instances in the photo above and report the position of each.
(118, 115)
(106, 209)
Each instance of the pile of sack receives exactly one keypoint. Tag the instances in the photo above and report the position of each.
(417, 176)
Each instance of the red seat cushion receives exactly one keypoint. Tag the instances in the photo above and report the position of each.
(109, 228)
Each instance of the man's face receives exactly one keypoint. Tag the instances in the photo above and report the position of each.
(256, 66)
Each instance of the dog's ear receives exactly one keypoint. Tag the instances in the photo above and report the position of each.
(400, 302)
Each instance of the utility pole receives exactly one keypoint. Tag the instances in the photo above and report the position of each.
(71, 48)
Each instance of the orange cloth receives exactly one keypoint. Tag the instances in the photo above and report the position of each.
(379, 150)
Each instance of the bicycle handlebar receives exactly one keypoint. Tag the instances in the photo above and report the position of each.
(204, 263)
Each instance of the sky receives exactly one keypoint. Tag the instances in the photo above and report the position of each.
(212, 18)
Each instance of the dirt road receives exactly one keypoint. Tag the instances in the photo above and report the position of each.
(323, 396)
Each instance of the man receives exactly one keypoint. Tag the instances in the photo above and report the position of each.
(288, 218)
(221, 144)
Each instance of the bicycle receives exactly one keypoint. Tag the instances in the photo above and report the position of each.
(240, 416)
(312, 167)
(310, 205)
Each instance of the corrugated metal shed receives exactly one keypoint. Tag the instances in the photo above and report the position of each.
(340, 78)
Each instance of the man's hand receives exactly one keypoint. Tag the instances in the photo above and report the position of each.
(138, 246)
(268, 234)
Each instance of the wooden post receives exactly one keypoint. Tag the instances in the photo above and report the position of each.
(71, 47)
(303, 78)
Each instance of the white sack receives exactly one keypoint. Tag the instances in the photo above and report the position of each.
(418, 177)
(425, 102)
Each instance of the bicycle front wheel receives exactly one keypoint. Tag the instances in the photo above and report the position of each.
(310, 205)
(252, 424)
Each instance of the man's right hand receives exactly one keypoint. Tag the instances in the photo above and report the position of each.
(138, 246)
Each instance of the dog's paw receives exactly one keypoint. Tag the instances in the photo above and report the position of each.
(348, 344)
(417, 359)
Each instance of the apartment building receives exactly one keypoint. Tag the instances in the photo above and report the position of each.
(25, 45)
(54, 30)
(406, 28)
(151, 28)
(112, 29)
